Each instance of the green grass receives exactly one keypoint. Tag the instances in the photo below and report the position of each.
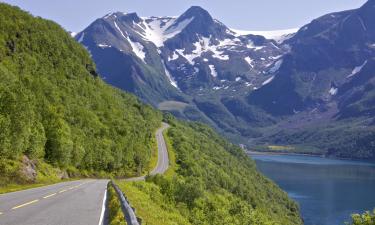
(153, 157)
(115, 214)
(150, 204)
(21, 187)
(172, 156)
(209, 181)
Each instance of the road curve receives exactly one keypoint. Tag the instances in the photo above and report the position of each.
(163, 159)
(76, 202)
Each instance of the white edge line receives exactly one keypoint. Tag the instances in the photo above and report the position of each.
(103, 208)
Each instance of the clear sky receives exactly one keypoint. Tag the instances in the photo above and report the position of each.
(75, 15)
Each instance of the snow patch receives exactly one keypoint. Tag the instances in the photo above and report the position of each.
(276, 66)
(104, 46)
(277, 35)
(213, 70)
(174, 57)
(136, 46)
(154, 30)
(268, 81)
(251, 45)
(202, 46)
(333, 91)
(249, 61)
(81, 37)
(238, 79)
(176, 28)
(357, 69)
(138, 49)
(172, 81)
(276, 57)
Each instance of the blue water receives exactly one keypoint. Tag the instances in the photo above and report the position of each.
(327, 190)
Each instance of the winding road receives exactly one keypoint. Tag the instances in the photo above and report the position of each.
(163, 159)
(77, 202)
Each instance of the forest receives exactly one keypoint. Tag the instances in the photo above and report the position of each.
(211, 182)
(55, 109)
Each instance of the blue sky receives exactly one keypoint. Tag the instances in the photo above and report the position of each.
(75, 15)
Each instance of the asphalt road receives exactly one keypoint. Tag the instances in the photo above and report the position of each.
(69, 203)
(163, 159)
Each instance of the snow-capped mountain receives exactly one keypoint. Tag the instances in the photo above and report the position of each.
(192, 51)
(253, 86)
(327, 54)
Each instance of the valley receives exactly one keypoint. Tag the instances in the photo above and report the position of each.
(185, 120)
(291, 87)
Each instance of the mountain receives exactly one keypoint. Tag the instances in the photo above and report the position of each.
(257, 88)
(326, 84)
(184, 64)
(58, 119)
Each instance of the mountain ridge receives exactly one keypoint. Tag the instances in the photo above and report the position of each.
(246, 85)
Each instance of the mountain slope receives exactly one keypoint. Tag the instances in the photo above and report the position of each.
(55, 108)
(212, 182)
(181, 64)
(256, 91)
(327, 78)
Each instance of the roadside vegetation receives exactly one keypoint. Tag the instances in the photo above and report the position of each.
(115, 214)
(367, 218)
(210, 182)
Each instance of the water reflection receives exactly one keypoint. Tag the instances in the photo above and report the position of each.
(327, 190)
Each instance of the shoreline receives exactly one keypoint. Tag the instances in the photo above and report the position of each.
(252, 152)
(285, 153)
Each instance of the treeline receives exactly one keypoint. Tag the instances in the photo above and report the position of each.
(54, 107)
(215, 182)
(340, 139)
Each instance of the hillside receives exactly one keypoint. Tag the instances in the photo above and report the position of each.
(55, 109)
(311, 91)
(59, 119)
(212, 182)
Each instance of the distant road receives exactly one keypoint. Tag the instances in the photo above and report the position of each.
(69, 203)
(163, 159)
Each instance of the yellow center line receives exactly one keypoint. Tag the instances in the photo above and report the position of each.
(27, 203)
(48, 196)
(62, 191)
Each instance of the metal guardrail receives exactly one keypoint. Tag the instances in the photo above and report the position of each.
(128, 211)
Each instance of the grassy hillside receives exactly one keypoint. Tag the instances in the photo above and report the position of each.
(212, 182)
(55, 109)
